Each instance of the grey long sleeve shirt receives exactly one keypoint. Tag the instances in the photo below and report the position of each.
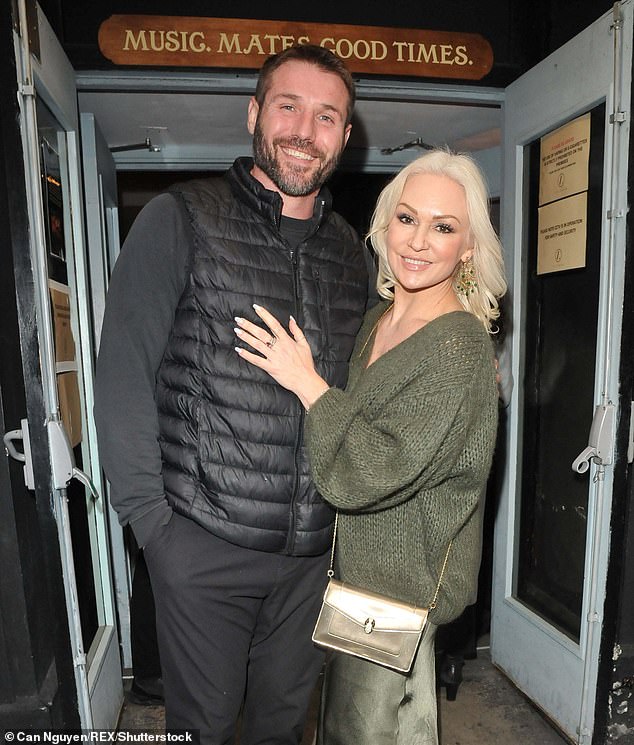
(146, 284)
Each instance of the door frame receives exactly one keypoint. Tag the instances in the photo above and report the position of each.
(38, 685)
(212, 158)
(508, 614)
(50, 78)
(102, 249)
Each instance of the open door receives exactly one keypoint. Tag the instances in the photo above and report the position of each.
(565, 170)
(50, 133)
(102, 249)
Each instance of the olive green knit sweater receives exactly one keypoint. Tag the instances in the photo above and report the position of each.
(404, 454)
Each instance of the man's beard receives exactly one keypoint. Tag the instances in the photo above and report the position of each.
(290, 180)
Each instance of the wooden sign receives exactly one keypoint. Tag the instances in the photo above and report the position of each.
(174, 41)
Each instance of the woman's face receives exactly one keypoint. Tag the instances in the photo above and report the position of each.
(429, 233)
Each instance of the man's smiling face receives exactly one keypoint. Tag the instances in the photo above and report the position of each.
(300, 130)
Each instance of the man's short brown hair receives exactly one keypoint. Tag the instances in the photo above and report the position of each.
(321, 57)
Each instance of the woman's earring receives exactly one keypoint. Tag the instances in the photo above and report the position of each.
(465, 283)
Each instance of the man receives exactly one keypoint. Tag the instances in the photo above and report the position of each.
(204, 454)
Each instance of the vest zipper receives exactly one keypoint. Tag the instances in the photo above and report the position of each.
(290, 544)
(321, 314)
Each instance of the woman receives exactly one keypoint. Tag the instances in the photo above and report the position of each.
(404, 452)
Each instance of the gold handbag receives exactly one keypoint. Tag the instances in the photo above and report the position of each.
(368, 625)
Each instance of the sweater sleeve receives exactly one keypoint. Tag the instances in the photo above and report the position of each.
(372, 448)
(145, 287)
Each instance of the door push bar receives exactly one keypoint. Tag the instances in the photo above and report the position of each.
(63, 467)
(600, 441)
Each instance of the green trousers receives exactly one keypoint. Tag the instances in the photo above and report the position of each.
(367, 704)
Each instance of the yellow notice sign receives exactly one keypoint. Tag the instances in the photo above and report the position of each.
(70, 405)
(65, 363)
(564, 158)
(64, 342)
(562, 234)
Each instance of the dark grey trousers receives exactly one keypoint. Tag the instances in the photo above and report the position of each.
(234, 629)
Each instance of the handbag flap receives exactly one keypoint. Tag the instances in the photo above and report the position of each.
(363, 607)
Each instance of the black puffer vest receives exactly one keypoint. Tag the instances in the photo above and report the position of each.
(231, 437)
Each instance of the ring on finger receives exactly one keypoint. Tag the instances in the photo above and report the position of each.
(271, 342)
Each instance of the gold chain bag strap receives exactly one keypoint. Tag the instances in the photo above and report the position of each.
(368, 625)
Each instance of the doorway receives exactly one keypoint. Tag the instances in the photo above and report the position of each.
(548, 587)
(408, 104)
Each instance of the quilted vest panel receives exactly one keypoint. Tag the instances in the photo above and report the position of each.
(231, 437)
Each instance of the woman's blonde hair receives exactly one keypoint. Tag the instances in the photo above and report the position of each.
(487, 250)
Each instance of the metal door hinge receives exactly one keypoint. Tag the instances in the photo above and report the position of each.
(617, 15)
(613, 214)
(26, 90)
(630, 442)
(618, 117)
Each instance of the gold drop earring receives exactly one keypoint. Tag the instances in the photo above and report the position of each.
(465, 283)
